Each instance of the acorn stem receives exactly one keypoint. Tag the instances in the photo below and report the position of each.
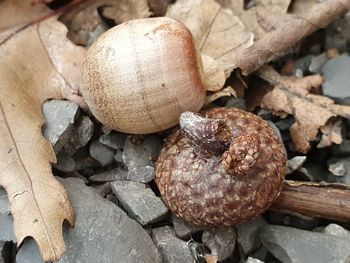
(203, 132)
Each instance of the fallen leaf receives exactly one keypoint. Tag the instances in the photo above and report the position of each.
(225, 92)
(217, 32)
(331, 133)
(36, 63)
(292, 96)
(261, 18)
(85, 23)
(214, 77)
(15, 14)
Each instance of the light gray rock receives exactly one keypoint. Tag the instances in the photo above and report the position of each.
(294, 245)
(302, 65)
(60, 116)
(102, 232)
(247, 234)
(81, 134)
(337, 77)
(220, 241)
(144, 154)
(339, 170)
(182, 228)
(317, 62)
(4, 202)
(295, 163)
(172, 248)
(114, 140)
(65, 162)
(110, 175)
(140, 202)
(6, 228)
(143, 174)
(101, 153)
(340, 167)
(336, 230)
(253, 260)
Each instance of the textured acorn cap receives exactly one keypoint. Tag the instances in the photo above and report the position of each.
(141, 75)
(228, 188)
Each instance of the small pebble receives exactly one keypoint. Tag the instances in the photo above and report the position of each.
(65, 163)
(337, 77)
(340, 168)
(294, 245)
(102, 153)
(109, 175)
(80, 135)
(248, 233)
(140, 202)
(317, 62)
(336, 230)
(220, 241)
(60, 116)
(253, 260)
(182, 228)
(143, 174)
(172, 248)
(295, 163)
(114, 140)
(144, 154)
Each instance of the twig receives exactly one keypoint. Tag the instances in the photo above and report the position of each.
(330, 201)
(275, 43)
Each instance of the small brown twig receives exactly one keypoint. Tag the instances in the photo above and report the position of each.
(330, 201)
(275, 43)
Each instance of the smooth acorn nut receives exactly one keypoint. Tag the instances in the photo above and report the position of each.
(222, 168)
(141, 75)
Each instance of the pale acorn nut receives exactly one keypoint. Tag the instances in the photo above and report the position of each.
(222, 168)
(141, 75)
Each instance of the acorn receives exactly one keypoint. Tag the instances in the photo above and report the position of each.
(221, 168)
(141, 75)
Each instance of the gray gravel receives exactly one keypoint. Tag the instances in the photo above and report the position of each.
(140, 202)
(173, 249)
(102, 233)
(296, 246)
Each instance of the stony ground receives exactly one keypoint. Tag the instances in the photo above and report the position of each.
(109, 177)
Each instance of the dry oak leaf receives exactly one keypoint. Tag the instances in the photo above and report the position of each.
(36, 63)
(292, 96)
(261, 18)
(217, 32)
(15, 14)
(85, 23)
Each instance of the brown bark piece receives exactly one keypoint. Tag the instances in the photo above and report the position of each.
(330, 201)
(36, 63)
(290, 32)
